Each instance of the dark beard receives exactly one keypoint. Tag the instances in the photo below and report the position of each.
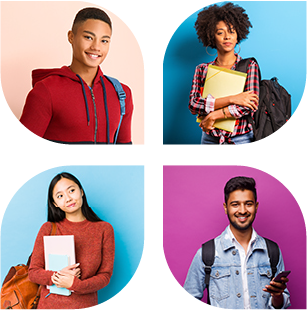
(238, 227)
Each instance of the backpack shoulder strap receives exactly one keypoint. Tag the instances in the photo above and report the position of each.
(121, 96)
(208, 254)
(120, 93)
(244, 63)
(53, 230)
(273, 251)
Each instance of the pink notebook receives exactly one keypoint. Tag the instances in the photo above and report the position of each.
(60, 245)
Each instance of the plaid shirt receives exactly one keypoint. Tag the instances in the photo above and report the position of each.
(203, 106)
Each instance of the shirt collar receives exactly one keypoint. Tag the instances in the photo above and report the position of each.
(227, 239)
(233, 238)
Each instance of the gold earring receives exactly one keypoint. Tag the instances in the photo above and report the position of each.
(239, 49)
(209, 53)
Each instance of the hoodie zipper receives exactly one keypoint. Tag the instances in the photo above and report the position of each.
(95, 112)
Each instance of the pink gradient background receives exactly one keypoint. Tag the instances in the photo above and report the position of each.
(34, 35)
(193, 213)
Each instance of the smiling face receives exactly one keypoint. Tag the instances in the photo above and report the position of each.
(90, 43)
(241, 209)
(68, 197)
(225, 37)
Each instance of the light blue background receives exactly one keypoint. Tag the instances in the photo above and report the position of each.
(115, 193)
(277, 40)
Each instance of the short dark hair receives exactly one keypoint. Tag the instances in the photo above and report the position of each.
(56, 214)
(91, 13)
(233, 15)
(240, 183)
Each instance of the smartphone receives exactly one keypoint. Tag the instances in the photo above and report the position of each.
(282, 274)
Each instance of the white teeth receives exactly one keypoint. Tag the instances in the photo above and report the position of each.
(94, 56)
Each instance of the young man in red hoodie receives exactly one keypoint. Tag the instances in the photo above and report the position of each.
(79, 104)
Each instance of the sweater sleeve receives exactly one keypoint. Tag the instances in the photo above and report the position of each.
(104, 273)
(124, 135)
(37, 272)
(37, 111)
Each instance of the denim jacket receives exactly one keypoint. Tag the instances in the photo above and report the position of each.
(225, 286)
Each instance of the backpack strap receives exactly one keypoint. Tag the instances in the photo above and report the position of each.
(273, 252)
(53, 230)
(243, 64)
(208, 254)
(120, 93)
(121, 96)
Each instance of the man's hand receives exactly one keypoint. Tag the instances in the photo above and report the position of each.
(276, 289)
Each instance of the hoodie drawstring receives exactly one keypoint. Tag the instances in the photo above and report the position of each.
(122, 97)
(85, 99)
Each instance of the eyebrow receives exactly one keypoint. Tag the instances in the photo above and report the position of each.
(93, 34)
(232, 28)
(66, 189)
(245, 201)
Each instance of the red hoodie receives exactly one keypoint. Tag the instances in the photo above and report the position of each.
(62, 108)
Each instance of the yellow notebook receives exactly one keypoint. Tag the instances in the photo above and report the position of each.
(221, 82)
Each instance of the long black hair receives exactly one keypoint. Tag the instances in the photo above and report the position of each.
(56, 214)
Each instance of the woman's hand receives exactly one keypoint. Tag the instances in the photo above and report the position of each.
(207, 123)
(62, 280)
(65, 277)
(246, 99)
(72, 270)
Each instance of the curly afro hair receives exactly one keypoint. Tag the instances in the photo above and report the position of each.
(231, 14)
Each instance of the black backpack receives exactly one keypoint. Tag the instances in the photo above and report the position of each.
(274, 108)
(208, 254)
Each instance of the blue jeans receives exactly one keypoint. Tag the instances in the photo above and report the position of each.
(240, 139)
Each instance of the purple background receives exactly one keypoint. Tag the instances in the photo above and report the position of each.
(193, 213)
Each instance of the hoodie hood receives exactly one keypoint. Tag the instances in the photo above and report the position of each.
(41, 74)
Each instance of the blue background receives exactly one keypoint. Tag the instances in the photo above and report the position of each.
(277, 40)
(115, 193)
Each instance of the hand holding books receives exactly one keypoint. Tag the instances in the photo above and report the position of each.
(60, 257)
(222, 84)
(247, 99)
(65, 277)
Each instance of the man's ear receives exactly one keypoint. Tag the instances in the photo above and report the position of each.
(70, 36)
(257, 204)
(225, 207)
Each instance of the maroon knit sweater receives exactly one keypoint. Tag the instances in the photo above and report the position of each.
(94, 246)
